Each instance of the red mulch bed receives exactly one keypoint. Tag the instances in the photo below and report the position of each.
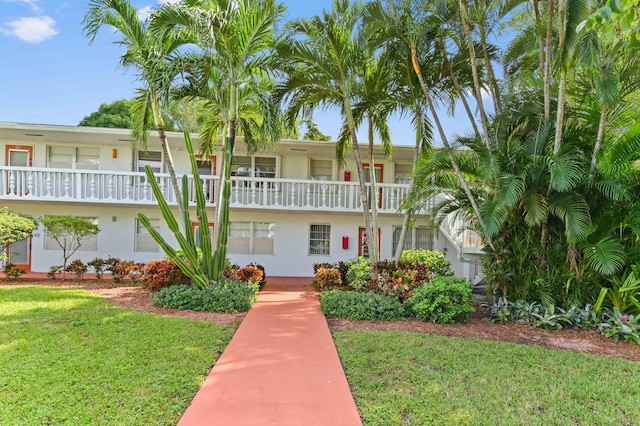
(478, 327)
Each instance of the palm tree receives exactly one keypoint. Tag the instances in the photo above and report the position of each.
(324, 60)
(148, 55)
(236, 38)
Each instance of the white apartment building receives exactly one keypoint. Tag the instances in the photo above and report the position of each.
(290, 208)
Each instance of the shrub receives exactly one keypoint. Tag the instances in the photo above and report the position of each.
(327, 278)
(361, 306)
(442, 300)
(434, 260)
(399, 279)
(98, 265)
(54, 270)
(158, 274)
(324, 265)
(359, 274)
(121, 269)
(251, 273)
(230, 296)
(77, 267)
(12, 271)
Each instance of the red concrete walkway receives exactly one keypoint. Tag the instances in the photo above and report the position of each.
(281, 368)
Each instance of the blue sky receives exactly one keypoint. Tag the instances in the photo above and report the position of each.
(49, 74)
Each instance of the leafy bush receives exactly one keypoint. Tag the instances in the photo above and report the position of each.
(121, 269)
(616, 324)
(443, 300)
(251, 273)
(327, 278)
(77, 267)
(98, 265)
(399, 279)
(434, 260)
(361, 306)
(359, 273)
(229, 296)
(324, 265)
(12, 271)
(54, 270)
(158, 274)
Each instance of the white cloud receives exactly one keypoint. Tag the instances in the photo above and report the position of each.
(33, 4)
(144, 13)
(31, 29)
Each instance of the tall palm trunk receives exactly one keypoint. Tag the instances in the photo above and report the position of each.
(445, 141)
(599, 138)
(374, 249)
(363, 186)
(457, 86)
(541, 45)
(547, 63)
(560, 112)
(493, 81)
(222, 238)
(407, 215)
(168, 159)
(464, 14)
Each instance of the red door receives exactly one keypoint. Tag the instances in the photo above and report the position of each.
(363, 248)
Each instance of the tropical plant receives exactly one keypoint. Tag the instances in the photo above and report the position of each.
(197, 262)
(14, 227)
(236, 38)
(68, 232)
(149, 55)
(443, 300)
(623, 293)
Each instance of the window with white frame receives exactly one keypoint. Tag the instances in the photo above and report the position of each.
(149, 158)
(251, 237)
(144, 242)
(88, 243)
(67, 157)
(419, 237)
(319, 239)
(244, 166)
(320, 169)
(403, 173)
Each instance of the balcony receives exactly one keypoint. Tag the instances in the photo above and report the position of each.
(122, 188)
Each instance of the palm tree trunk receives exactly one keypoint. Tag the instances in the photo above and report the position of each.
(168, 159)
(374, 250)
(464, 14)
(560, 114)
(493, 82)
(547, 64)
(361, 181)
(407, 216)
(541, 47)
(217, 224)
(599, 138)
(457, 86)
(445, 141)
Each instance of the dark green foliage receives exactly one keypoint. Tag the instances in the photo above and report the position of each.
(434, 260)
(116, 114)
(12, 271)
(229, 296)
(14, 227)
(443, 300)
(361, 306)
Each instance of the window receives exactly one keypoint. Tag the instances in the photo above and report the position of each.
(88, 243)
(144, 242)
(150, 158)
(264, 167)
(66, 157)
(320, 239)
(419, 237)
(251, 237)
(403, 173)
(196, 232)
(321, 169)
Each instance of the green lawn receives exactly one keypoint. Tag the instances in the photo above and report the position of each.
(414, 379)
(69, 357)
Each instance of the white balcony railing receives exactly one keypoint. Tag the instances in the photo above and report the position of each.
(92, 186)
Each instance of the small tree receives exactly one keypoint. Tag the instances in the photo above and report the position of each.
(68, 232)
(13, 227)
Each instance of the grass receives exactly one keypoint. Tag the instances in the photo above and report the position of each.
(69, 357)
(402, 378)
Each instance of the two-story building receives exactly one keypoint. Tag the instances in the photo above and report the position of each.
(290, 207)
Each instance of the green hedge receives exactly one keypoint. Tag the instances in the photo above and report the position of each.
(230, 296)
(435, 260)
(442, 300)
(361, 306)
